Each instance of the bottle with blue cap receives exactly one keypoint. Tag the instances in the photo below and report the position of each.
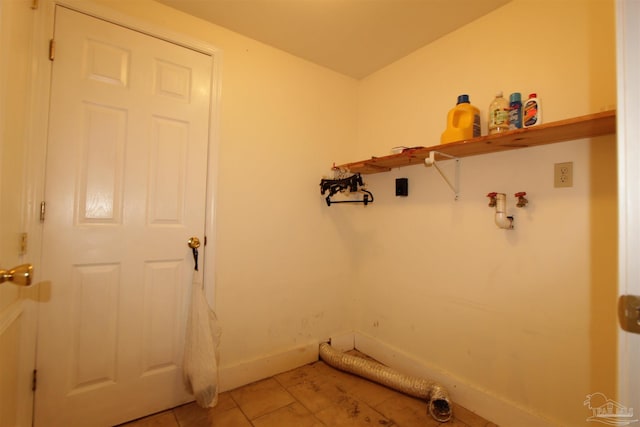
(515, 111)
(463, 122)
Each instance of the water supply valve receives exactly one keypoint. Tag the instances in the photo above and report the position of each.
(492, 199)
(522, 202)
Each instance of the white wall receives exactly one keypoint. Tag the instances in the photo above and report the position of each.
(528, 315)
(522, 315)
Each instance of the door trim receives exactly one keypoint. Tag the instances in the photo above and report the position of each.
(42, 78)
(628, 135)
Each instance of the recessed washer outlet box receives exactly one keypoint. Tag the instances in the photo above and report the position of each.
(402, 187)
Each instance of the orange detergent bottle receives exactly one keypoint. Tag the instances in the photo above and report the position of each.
(463, 122)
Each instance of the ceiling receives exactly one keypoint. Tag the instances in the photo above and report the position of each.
(353, 37)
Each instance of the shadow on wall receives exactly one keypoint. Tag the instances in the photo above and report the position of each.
(603, 207)
(603, 265)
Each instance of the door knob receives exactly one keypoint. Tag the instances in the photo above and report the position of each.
(20, 275)
(194, 243)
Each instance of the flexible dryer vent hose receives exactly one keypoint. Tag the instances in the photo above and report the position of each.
(439, 404)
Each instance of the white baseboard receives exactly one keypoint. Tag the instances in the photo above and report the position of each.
(477, 400)
(246, 372)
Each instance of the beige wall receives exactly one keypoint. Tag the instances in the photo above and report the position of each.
(526, 315)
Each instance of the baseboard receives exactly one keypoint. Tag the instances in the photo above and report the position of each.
(482, 402)
(246, 372)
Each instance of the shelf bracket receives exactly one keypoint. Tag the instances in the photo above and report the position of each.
(431, 161)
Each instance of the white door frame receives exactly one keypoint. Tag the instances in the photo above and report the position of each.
(37, 154)
(628, 134)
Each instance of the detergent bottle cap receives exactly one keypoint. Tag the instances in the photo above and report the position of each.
(463, 99)
(515, 97)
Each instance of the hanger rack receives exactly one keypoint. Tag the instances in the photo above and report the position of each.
(366, 199)
(340, 185)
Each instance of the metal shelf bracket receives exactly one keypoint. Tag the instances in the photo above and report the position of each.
(431, 161)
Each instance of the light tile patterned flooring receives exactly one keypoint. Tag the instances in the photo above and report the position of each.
(313, 395)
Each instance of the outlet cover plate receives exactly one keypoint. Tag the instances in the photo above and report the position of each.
(563, 175)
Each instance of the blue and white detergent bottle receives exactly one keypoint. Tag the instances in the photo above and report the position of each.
(515, 111)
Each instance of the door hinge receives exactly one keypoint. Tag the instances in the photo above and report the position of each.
(43, 207)
(35, 380)
(52, 50)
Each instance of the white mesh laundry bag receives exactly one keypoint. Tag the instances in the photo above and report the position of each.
(201, 348)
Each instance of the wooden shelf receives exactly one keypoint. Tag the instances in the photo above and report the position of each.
(603, 123)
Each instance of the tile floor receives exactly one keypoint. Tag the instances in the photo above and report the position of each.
(313, 395)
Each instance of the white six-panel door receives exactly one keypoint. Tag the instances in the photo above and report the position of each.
(125, 190)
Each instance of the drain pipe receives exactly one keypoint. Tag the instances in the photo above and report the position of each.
(499, 201)
(439, 403)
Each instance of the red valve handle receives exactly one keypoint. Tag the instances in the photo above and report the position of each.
(494, 194)
(521, 194)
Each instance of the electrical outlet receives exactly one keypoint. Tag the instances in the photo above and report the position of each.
(563, 174)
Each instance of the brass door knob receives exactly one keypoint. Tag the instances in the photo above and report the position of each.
(194, 243)
(20, 275)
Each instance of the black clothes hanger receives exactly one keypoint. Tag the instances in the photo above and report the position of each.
(334, 186)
